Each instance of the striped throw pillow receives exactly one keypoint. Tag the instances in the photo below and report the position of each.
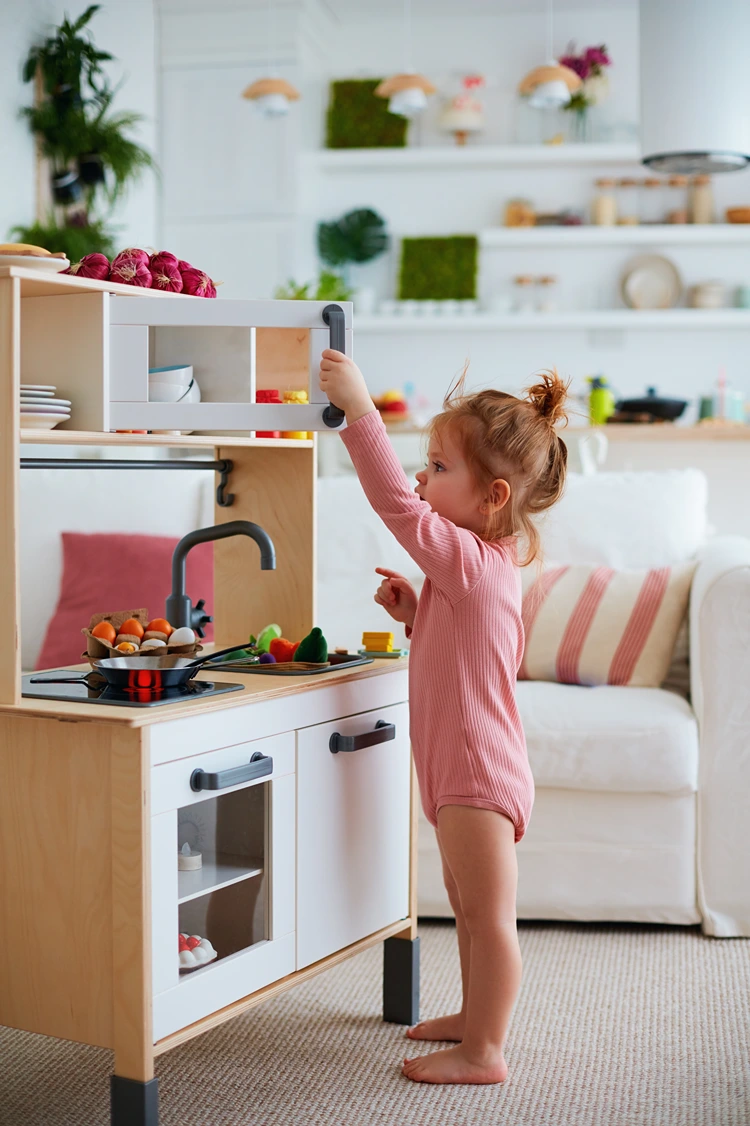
(594, 625)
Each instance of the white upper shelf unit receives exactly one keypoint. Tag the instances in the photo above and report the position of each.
(660, 234)
(573, 320)
(471, 156)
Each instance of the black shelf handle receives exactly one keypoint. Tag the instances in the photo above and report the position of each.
(383, 733)
(333, 315)
(258, 767)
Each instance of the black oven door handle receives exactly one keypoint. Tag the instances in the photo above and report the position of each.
(258, 767)
(334, 317)
(382, 733)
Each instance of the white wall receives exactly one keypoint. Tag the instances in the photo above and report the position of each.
(126, 28)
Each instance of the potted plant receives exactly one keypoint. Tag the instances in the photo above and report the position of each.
(92, 159)
(357, 237)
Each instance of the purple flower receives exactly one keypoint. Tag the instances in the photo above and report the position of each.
(576, 63)
(597, 56)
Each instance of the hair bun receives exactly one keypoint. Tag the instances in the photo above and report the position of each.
(549, 397)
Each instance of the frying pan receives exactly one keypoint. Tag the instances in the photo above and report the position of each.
(150, 673)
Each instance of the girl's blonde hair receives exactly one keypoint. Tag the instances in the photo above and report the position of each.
(502, 436)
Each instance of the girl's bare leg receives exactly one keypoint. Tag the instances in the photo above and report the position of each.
(449, 1027)
(479, 847)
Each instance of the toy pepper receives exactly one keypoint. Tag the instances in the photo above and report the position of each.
(313, 648)
(282, 649)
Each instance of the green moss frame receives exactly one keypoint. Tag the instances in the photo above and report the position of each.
(356, 119)
(438, 269)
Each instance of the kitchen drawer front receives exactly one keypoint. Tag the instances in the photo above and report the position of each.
(226, 727)
(353, 833)
(170, 782)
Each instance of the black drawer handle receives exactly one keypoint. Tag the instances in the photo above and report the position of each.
(383, 733)
(258, 767)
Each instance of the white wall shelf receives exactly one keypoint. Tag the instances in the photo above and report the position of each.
(454, 156)
(709, 234)
(668, 319)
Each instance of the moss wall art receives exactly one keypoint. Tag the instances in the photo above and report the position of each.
(438, 269)
(356, 119)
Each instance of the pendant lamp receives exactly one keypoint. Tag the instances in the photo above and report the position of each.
(271, 96)
(695, 85)
(408, 92)
(549, 86)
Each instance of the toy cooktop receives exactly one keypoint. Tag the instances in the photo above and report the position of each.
(94, 693)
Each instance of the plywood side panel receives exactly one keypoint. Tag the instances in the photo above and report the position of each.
(56, 886)
(10, 593)
(276, 489)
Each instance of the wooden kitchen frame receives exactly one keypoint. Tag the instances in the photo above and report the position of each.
(76, 821)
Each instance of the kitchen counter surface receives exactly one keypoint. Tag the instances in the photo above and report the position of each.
(256, 689)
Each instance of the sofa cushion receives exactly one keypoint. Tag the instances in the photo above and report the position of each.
(632, 740)
(628, 520)
(591, 625)
(105, 573)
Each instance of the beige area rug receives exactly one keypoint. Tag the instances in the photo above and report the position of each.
(615, 1026)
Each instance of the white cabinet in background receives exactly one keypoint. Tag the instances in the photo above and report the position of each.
(352, 830)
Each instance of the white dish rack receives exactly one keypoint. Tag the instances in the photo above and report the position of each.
(106, 344)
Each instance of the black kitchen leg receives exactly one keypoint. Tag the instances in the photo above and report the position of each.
(134, 1103)
(401, 980)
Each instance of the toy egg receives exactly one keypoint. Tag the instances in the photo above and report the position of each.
(182, 636)
(130, 638)
(155, 635)
(126, 647)
(152, 645)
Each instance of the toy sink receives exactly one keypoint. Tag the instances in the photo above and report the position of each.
(298, 668)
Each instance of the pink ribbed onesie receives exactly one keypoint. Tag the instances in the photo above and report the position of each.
(467, 644)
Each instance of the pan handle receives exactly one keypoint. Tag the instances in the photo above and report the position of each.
(60, 679)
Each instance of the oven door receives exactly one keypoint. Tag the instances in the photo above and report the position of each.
(223, 870)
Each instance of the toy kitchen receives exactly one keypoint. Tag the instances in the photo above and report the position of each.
(177, 852)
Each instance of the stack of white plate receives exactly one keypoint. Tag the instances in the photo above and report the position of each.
(40, 409)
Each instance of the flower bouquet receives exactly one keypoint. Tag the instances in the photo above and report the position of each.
(590, 65)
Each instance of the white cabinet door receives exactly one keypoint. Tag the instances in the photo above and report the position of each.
(352, 831)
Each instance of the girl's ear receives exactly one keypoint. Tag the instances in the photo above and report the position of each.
(498, 497)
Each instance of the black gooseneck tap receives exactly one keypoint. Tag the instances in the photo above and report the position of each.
(180, 610)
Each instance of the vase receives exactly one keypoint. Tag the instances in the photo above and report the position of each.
(579, 128)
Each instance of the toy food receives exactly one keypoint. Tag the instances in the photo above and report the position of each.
(94, 266)
(159, 625)
(25, 249)
(126, 647)
(152, 645)
(132, 626)
(105, 631)
(266, 636)
(313, 648)
(182, 636)
(266, 659)
(283, 650)
(194, 951)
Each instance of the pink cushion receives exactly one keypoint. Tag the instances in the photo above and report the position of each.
(106, 572)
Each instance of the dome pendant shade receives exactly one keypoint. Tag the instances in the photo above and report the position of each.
(406, 93)
(550, 86)
(695, 85)
(271, 96)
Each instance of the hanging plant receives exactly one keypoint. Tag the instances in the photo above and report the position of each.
(359, 236)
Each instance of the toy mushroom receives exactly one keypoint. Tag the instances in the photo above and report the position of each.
(271, 96)
(407, 93)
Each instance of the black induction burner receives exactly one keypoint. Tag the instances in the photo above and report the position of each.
(96, 691)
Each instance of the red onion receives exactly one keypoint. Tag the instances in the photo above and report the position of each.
(165, 273)
(91, 266)
(197, 284)
(183, 265)
(133, 252)
(165, 256)
(131, 271)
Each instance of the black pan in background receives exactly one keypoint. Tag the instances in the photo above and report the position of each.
(653, 404)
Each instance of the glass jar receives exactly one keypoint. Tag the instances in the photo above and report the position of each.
(652, 201)
(546, 293)
(604, 203)
(523, 301)
(702, 200)
(627, 191)
(678, 209)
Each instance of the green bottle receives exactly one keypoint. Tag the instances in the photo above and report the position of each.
(601, 400)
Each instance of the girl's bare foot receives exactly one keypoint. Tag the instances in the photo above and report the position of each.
(452, 1065)
(442, 1028)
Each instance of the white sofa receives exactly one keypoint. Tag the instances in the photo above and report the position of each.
(643, 800)
(642, 808)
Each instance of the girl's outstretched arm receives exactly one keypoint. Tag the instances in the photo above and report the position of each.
(451, 557)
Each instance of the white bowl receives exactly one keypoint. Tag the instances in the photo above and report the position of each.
(42, 421)
(180, 375)
(173, 393)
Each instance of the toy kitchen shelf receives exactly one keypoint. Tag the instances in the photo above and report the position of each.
(308, 859)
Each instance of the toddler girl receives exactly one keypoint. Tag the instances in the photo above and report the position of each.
(495, 461)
